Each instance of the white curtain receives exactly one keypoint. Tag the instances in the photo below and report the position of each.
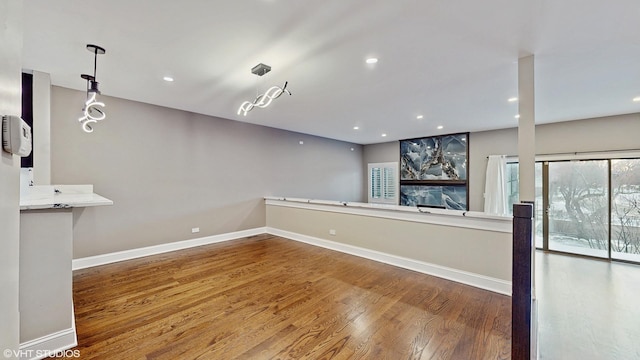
(495, 188)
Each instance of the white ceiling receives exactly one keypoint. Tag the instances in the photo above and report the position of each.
(453, 61)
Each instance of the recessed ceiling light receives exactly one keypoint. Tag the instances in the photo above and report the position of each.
(301, 142)
(517, 116)
(372, 60)
(419, 117)
(636, 99)
(513, 99)
(167, 78)
(384, 135)
(352, 149)
(356, 127)
(440, 127)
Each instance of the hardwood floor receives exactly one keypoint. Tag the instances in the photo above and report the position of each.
(266, 297)
(589, 309)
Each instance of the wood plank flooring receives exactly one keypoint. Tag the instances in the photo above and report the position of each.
(266, 297)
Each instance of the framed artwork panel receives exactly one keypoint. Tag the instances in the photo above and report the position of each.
(448, 197)
(434, 171)
(438, 158)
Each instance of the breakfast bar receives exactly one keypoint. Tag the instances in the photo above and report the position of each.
(46, 251)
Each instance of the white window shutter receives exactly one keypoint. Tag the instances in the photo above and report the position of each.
(376, 183)
(383, 185)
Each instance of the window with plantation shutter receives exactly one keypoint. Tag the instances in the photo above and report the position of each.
(383, 187)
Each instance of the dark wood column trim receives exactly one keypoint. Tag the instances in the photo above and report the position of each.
(521, 282)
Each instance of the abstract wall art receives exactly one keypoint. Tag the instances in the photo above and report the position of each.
(433, 171)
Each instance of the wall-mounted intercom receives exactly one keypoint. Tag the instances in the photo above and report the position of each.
(16, 135)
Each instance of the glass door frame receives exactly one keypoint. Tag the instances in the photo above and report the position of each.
(546, 208)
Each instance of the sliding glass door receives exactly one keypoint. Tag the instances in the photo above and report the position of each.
(625, 209)
(586, 207)
(578, 207)
(539, 205)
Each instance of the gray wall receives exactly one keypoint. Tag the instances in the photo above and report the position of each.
(168, 171)
(599, 134)
(10, 97)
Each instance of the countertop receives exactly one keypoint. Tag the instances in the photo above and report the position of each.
(60, 197)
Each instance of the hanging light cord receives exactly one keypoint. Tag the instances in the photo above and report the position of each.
(95, 63)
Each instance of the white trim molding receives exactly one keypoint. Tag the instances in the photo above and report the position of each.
(50, 344)
(588, 155)
(480, 281)
(91, 261)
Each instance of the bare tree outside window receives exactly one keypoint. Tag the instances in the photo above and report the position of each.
(625, 205)
(579, 205)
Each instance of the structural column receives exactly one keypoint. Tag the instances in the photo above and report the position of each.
(526, 128)
(524, 304)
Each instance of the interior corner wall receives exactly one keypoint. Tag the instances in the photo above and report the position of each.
(378, 153)
(481, 145)
(10, 104)
(41, 128)
(609, 133)
(168, 171)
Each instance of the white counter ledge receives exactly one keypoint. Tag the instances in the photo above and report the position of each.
(466, 219)
(60, 197)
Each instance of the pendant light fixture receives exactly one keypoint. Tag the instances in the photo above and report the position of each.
(263, 100)
(92, 111)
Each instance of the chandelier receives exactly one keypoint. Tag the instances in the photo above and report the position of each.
(265, 99)
(92, 112)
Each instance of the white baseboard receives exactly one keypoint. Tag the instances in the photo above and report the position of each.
(480, 281)
(49, 345)
(535, 331)
(87, 262)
